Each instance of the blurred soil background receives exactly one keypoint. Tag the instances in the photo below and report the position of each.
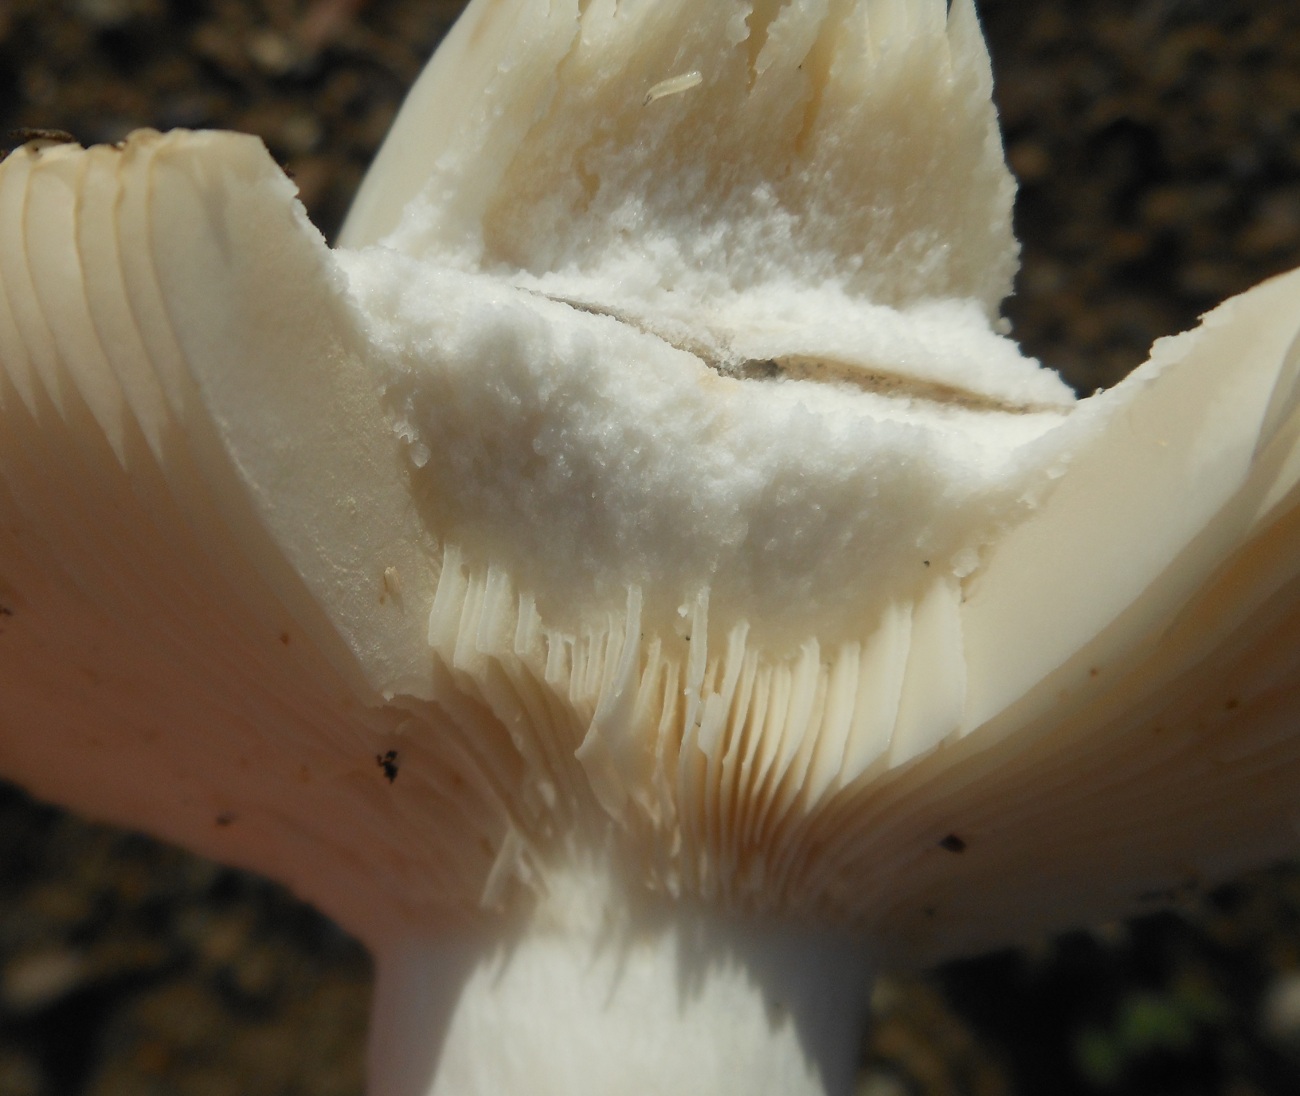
(1158, 147)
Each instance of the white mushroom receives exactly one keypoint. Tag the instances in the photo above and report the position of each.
(634, 586)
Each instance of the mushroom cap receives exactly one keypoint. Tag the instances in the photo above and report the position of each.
(434, 568)
(550, 140)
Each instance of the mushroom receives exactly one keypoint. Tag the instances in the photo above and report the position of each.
(633, 585)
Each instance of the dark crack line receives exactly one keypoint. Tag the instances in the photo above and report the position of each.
(880, 382)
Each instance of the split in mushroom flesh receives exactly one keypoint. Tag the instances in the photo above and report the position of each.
(634, 585)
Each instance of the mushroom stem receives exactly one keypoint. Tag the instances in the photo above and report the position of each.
(681, 1001)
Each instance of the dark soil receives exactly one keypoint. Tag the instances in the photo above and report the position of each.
(1158, 146)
